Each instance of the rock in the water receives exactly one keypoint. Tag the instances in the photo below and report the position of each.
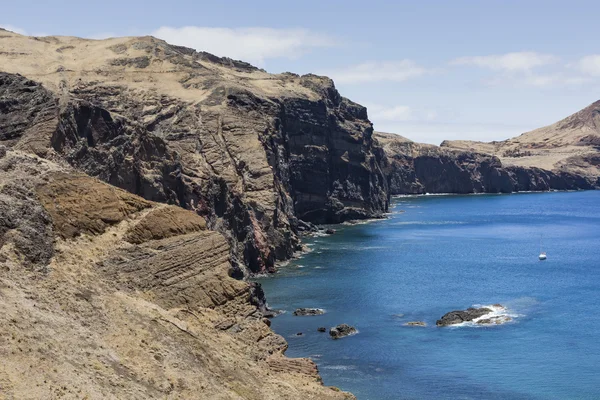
(309, 311)
(498, 320)
(457, 317)
(341, 331)
(415, 323)
(330, 231)
(321, 329)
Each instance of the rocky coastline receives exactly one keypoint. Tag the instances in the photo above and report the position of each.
(141, 186)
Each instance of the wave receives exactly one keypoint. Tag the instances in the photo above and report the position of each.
(338, 367)
(429, 223)
(499, 315)
(363, 221)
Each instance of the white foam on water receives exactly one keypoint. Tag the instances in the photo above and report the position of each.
(362, 221)
(499, 315)
(339, 367)
(429, 223)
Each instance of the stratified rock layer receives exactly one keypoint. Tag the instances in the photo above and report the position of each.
(253, 153)
(100, 302)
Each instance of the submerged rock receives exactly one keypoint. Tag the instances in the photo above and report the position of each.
(321, 329)
(457, 317)
(498, 320)
(330, 231)
(416, 323)
(309, 311)
(341, 331)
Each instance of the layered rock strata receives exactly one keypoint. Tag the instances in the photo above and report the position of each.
(106, 295)
(257, 155)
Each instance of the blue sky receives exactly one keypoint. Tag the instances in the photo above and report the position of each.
(429, 70)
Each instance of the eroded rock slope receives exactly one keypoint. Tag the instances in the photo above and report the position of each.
(106, 295)
(255, 154)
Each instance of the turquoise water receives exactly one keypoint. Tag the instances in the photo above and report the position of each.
(445, 253)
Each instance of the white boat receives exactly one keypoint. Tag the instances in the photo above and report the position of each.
(542, 255)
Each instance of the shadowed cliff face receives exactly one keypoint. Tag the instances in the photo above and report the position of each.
(252, 166)
(414, 168)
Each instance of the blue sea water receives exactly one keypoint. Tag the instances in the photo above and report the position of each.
(441, 253)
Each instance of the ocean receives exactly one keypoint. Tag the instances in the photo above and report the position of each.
(435, 254)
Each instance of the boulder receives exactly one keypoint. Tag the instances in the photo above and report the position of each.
(321, 329)
(341, 331)
(457, 317)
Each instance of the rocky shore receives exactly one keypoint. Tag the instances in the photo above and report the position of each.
(416, 168)
(141, 182)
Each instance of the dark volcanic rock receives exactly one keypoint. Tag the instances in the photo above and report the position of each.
(341, 331)
(457, 317)
(415, 168)
(309, 311)
(259, 169)
(321, 329)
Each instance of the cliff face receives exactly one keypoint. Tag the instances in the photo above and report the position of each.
(255, 154)
(569, 146)
(106, 295)
(414, 168)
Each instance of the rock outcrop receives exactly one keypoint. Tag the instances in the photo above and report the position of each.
(107, 295)
(254, 154)
(416, 168)
(458, 317)
(342, 330)
(309, 311)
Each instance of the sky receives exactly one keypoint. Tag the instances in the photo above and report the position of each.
(429, 70)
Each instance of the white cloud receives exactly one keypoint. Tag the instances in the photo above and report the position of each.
(102, 35)
(22, 31)
(383, 114)
(518, 61)
(13, 29)
(393, 113)
(538, 80)
(369, 72)
(254, 45)
(590, 65)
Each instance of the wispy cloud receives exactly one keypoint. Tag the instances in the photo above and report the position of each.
(590, 65)
(378, 71)
(398, 113)
(518, 61)
(538, 80)
(13, 28)
(255, 45)
(529, 68)
(21, 31)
